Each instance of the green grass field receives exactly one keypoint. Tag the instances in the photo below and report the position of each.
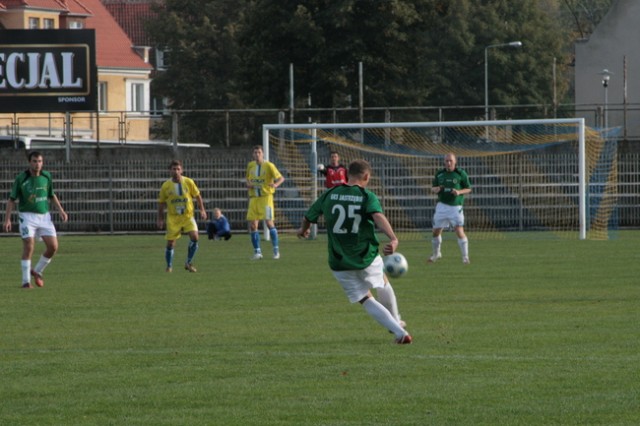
(533, 332)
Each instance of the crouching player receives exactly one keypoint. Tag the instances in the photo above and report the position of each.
(218, 227)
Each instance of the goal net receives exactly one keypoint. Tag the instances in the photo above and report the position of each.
(551, 177)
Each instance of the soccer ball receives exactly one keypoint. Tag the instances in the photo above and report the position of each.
(320, 167)
(395, 265)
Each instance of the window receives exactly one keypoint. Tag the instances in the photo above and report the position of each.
(102, 96)
(48, 24)
(137, 97)
(137, 94)
(34, 23)
(159, 106)
(76, 25)
(162, 59)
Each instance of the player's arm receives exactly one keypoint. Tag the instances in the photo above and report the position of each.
(248, 177)
(435, 188)
(304, 230)
(462, 191)
(465, 186)
(203, 212)
(383, 224)
(161, 208)
(11, 205)
(276, 183)
(56, 203)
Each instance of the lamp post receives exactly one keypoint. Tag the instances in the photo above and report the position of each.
(486, 72)
(606, 76)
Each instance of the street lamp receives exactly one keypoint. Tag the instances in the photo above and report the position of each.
(606, 76)
(486, 72)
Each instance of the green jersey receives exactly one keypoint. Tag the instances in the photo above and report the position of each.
(348, 213)
(33, 192)
(457, 179)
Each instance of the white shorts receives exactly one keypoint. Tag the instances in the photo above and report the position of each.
(448, 216)
(36, 225)
(357, 283)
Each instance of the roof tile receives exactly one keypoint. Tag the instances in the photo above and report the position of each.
(113, 46)
(132, 17)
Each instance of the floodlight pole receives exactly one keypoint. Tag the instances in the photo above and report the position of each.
(292, 103)
(606, 76)
(486, 72)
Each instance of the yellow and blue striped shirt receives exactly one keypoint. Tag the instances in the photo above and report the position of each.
(260, 176)
(179, 196)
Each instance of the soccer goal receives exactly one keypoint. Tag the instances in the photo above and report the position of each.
(547, 177)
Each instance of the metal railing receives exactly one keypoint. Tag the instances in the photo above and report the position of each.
(238, 127)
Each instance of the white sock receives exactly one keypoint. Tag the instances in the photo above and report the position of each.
(383, 316)
(436, 242)
(26, 271)
(463, 243)
(387, 297)
(42, 264)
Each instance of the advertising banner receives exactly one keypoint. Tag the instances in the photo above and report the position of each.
(48, 70)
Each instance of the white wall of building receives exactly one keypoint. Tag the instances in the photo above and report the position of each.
(616, 37)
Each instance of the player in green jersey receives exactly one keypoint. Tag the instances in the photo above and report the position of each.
(451, 184)
(33, 190)
(351, 215)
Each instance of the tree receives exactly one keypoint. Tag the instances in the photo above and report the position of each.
(417, 52)
(458, 39)
(325, 40)
(199, 37)
(237, 53)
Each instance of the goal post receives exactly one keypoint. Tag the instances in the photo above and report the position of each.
(552, 175)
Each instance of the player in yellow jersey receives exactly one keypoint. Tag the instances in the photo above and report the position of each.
(176, 197)
(262, 180)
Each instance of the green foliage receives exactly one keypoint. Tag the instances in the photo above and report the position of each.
(234, 54)
(458, 39)
(532, 332)
(584, 15)
(413, 53)
(199, 37)
(325, 41)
